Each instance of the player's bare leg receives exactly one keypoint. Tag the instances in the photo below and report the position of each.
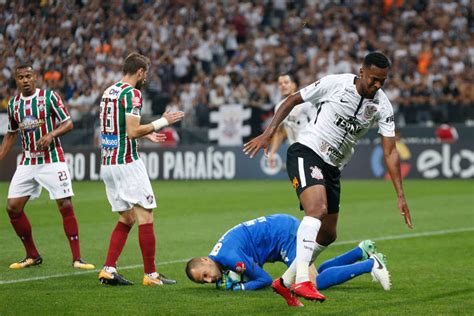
(22, 227)
(71, 229)
(313, 200)
(146, 238)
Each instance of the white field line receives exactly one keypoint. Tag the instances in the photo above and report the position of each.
(394, 237)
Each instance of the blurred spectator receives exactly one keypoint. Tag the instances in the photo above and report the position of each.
(78, 47)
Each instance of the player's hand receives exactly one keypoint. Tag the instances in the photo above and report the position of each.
(238, 287)
(403, 207)
(225, 283)
(272, 160)
(155, 137)
(173, 117)
(44, 141)
(252, 147)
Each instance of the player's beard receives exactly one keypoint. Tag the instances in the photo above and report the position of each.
(139, 85)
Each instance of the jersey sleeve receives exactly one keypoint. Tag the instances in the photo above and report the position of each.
(58, 107)
(257, 277)
(133, 103)
(317, 90)
(12, 123)
(386, 121)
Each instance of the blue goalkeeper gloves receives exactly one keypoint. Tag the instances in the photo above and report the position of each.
(227, 283)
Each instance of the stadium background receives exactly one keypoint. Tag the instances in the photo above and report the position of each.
(218, 61)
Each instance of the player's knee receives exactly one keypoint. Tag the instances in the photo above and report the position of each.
(319, 211)
(13, 209)
(64, 203)
(128, 218)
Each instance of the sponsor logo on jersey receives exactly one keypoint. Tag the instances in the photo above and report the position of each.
(390, 119)
(136, 111)
(240, 267)
(316, 173)
(136, 101)
(350, 125)
(324, 146)
(41, 99)
(350, 91)
(34, 153)
(109, 141)
(113, 92)
(369, 111)
(30, 123)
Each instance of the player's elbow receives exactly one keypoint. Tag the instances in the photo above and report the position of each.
(133, 134)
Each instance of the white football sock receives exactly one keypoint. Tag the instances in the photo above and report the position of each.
(152, 275)
(305, 243)
(290, 274)
(110, 269)
(317, 250)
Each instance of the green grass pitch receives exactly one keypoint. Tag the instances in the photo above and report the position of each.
(431, 265)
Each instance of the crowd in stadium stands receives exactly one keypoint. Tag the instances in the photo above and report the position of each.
(206, 54)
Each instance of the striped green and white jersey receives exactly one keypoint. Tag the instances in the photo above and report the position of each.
(118, 101)
(36, 116)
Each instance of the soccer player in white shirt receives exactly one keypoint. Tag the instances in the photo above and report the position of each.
(347, 106)
(294, 122)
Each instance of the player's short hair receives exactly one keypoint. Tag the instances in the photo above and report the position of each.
(134, 62)
(290, 75)
(22, 66)
(190, 266)
(377, 59)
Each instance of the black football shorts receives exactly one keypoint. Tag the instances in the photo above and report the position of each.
(305, 168)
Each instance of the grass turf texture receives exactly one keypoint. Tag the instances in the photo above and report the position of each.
(430, 274)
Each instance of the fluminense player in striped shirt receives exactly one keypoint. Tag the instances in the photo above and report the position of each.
(126, 180)
(41, 117)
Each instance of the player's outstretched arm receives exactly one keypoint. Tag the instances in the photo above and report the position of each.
(173, 117)
(155, 137)
(262, 141)
(135, 130)
(7, 143)
(392, 161)
(275, 144)
(62, 129)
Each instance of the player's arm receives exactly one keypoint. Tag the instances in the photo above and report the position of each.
(263, 140)
(276, 142)
(8, 141)
(392, 161)
(135, 130)
(62, 129)
(258, 279)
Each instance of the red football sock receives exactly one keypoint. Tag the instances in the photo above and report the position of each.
(71, 229)
(146, 238)
(22, 227)
(117, 242)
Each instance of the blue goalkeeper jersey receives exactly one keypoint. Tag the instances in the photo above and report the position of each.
(249, 245)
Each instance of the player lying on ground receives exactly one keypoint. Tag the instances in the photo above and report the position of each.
(245, 248)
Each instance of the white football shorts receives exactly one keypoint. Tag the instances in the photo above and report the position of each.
(127, 185)
(28, 181)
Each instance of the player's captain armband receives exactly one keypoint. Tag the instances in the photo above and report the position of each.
(109, 141)
(160, 123)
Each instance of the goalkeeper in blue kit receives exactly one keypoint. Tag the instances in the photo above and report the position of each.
(236, 261)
